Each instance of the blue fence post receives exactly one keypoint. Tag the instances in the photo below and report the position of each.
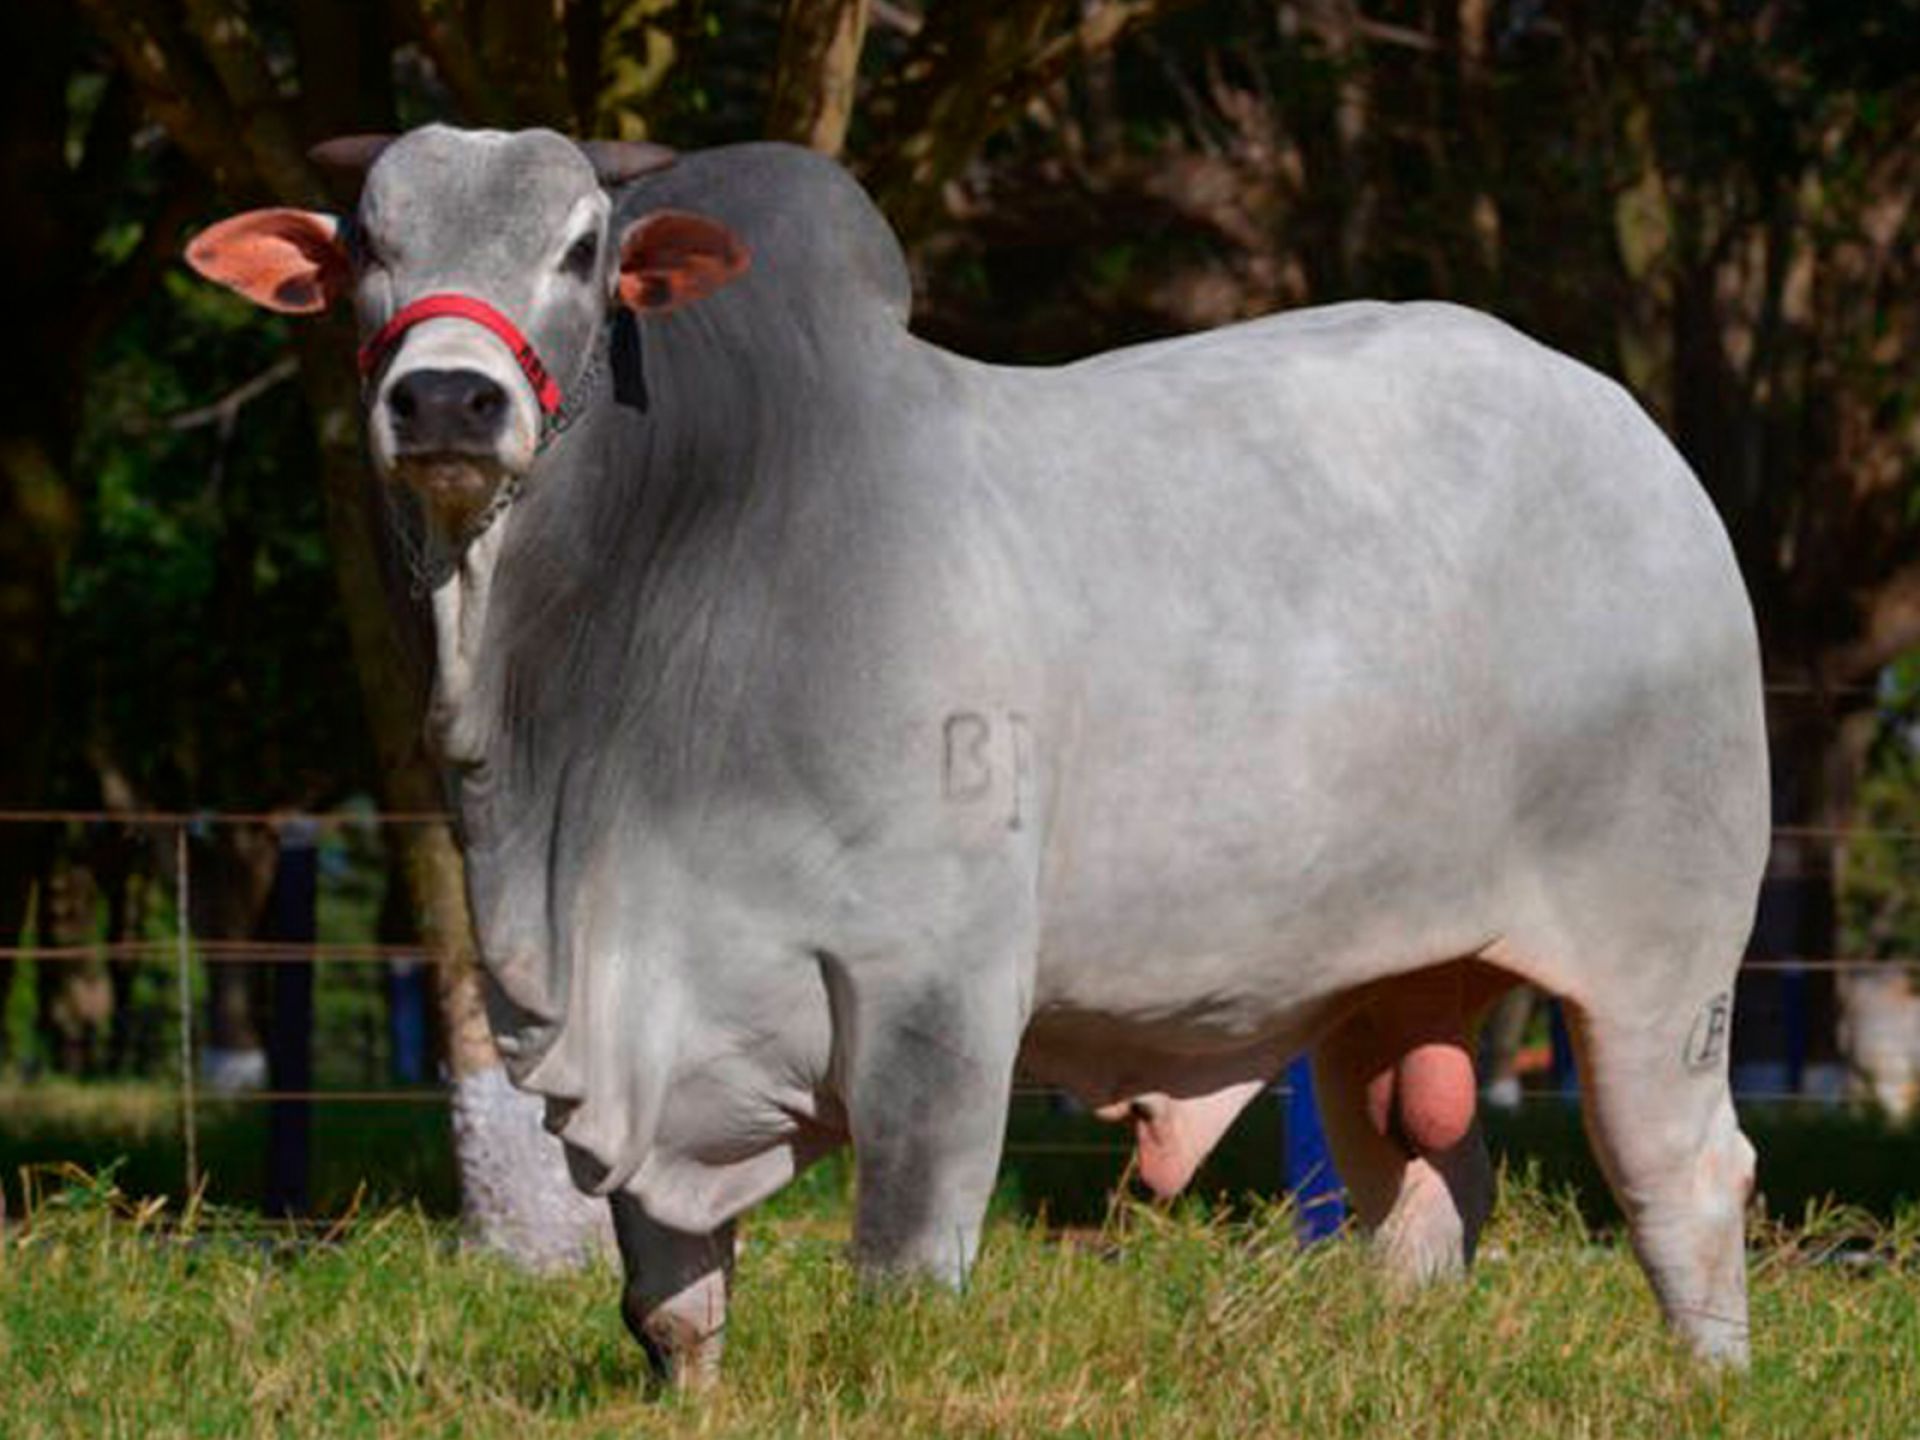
(1794, 1001)
(1318, 1196)
(407, 1020)
(1564, 1076)
(292, 916)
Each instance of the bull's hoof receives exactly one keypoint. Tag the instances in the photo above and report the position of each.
(680, 1354)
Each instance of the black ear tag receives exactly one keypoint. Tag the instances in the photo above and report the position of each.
(629, 372)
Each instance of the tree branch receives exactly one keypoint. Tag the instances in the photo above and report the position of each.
(102, 171)
(345, 53)
(444, 38)
(1102, 27)
(897, 18)
(113, 293)
(586, 33)
(969, 73)
(815, 76)
(1890, 627)
(176, 86)
(261, 114)
(223, 411)
(518, 41)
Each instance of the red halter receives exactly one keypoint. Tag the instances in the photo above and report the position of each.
(374, 353)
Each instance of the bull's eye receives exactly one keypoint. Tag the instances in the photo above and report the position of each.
(580, 257)
(360, 245)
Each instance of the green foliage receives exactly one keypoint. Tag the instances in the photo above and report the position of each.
(1880, 886)
(203, 639)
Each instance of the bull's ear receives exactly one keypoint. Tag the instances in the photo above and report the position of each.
(287, 260)
(671, 257)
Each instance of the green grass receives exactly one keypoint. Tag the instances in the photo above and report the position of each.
(117, 1321)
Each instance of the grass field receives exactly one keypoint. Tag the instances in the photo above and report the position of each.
(115, 1319)
(119, 1321)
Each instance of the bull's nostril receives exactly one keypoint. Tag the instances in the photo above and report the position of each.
(447, 410)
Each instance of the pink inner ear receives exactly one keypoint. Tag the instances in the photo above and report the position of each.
(287, 260)
(671, 257)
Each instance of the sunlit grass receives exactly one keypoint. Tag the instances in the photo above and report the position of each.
(124, 1319)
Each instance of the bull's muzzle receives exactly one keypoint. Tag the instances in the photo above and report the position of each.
(447, 428)
(440, 411)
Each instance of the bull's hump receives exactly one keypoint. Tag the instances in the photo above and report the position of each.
(455, 184)
(814, 234)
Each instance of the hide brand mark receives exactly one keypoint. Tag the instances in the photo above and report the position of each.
(967, 767)
(1707, 1041)
(968, 772)
(1021, 739)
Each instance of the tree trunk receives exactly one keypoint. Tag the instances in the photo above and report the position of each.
(39, 519)
(292, 917)
(957, 87)
(516, 1196)
(231, 873)
(813, 82)
(75, 995)
(36, 529)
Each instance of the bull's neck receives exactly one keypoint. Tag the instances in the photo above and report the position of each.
(462, 718)
(592, 599)
(605, 524)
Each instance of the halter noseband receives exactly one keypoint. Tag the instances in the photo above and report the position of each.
(374, 353)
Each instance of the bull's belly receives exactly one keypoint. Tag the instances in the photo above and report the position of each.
(1187, 978)
(1105, 1059)
(1173, 985)
(1214, 899)
(1223, 864)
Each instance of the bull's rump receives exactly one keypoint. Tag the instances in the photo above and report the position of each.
(1373, 635)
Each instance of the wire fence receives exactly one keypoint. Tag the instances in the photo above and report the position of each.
(185, 953)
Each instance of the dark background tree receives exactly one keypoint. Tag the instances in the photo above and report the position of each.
(1712, 199)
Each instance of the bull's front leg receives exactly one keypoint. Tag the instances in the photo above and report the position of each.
(928, 1069)
(675, 1297)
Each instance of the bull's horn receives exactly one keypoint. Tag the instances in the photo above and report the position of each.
(615, 161)
(350, 154)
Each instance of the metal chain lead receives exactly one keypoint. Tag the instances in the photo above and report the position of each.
(428, 573)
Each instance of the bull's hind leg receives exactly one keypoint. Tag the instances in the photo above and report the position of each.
(1396, 1093)
(1661, 1118)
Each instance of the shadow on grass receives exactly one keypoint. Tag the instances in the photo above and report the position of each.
(1064, 1165)
(1059, 1163)
(401, 1153)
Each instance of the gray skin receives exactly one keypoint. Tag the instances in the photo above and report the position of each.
(849, 723)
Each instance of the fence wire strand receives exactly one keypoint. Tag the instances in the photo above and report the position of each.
(185, 949)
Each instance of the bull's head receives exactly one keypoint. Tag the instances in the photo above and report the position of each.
(481, 268)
